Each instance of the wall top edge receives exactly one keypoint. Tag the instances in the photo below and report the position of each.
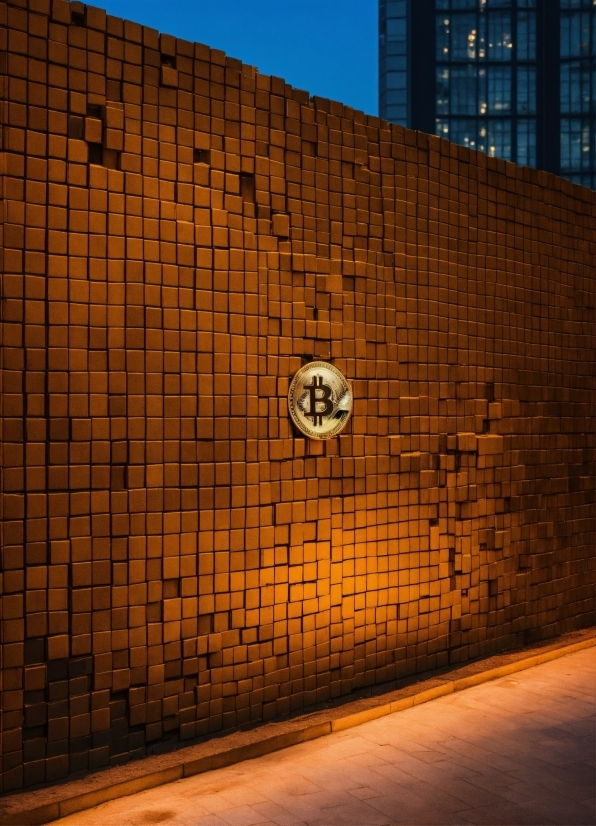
(97, 19)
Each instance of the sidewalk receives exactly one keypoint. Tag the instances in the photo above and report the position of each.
(519, 750)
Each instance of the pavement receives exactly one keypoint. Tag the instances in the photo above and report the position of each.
(518, 750)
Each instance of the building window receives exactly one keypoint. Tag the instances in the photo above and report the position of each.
(442, 97)
(578, 91)
(463, 37)
(462, 97)
(526, 142)
(526, 36)
(500, 40)
(526, 90)
(499, 139)
(393, 61)
(499, 89)
(464, 132)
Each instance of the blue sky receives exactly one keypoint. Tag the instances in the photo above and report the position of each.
(328, 47)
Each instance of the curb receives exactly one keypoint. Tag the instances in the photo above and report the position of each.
(456, 685)
(39, 815)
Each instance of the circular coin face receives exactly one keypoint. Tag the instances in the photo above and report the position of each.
(320, 400)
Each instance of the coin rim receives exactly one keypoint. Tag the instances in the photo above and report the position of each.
(291, 403)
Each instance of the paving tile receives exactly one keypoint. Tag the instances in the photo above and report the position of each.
(241, 816)
(364, 793)
(199, 820)
(401, 773)
(505, 814)
(273, 811)
(405, 811)
(590, 804)
(441, 799)
(214, 803)
(518, 794)
(542, 775)
(468, 759)
(246, 796)
(472, 794)
(562, 814)
(351, 813)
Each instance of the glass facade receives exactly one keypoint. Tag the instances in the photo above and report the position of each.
(578, 91)
(485, 54)
(491, 58)
(393, 60)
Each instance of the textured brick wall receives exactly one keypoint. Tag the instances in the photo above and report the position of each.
(180, 234)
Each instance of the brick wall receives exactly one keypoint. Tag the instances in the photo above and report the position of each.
(180, 234)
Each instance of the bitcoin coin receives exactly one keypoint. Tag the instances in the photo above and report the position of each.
(320, 400)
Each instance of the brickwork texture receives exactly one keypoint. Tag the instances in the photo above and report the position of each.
(180, 235)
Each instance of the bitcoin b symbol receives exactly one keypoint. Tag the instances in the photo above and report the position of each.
(325, 399)
(319, 400)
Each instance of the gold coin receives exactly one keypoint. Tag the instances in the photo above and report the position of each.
(320, 400)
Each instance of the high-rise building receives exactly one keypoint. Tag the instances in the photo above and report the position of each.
(513, 78)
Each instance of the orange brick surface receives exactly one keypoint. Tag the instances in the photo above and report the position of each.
(179, 235)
